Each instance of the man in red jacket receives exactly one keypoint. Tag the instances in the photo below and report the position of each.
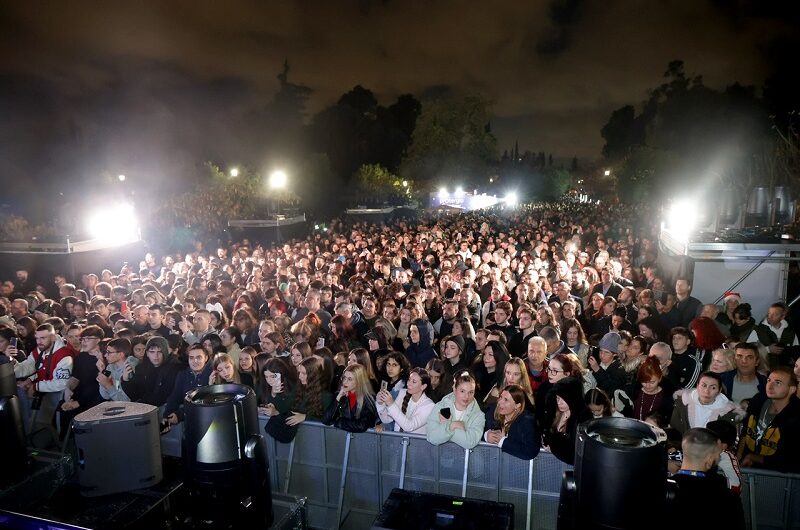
(45, 372)
(49, 366)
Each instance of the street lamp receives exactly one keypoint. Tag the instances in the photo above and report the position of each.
(278, 179)
(234, 172)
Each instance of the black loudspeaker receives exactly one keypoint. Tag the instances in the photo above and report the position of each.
(119, 448)
(12, 441)
(620, 467)
(224, 457)
(8, 381)
(414, 510)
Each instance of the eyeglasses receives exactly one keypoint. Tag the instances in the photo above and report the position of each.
(553, 370)
(90, 338)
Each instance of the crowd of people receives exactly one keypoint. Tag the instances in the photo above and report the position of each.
(510, 328)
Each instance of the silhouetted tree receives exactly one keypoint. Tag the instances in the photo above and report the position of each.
(451, 138)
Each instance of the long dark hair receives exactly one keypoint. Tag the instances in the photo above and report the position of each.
(276, 365)
(426, 380)
(311, 392)
(445, 383)
(405, 366)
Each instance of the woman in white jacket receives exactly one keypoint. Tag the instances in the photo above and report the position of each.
(695, 407)
(411, 409)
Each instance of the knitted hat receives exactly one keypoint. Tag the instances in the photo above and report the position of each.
(610, 342)
(458, 340)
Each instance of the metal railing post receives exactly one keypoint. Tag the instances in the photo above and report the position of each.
(288, 475)
(403, 462)
(499, 472)
(530, 495)
(752, 495)
(345, 462)
(787, 502)
(466, 472)
(379, 467)
(436, 473)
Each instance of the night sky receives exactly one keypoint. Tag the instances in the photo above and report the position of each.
(153, 89)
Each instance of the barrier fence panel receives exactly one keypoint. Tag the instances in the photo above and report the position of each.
(771, 500)
(351, 495)
(348, 483)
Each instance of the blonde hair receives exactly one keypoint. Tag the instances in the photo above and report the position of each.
(363, 385)
(224, 358)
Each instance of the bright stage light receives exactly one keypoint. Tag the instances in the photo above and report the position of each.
(115, 224)
(511, 199)
(278, 179)
(121, 178)
(682, 217)
(443, 193)
(459, 191)
(234, 172)
(482, 201)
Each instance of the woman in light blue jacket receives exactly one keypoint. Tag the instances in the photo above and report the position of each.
(457, 417)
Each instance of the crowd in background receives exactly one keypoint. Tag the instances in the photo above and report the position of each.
(510, 327)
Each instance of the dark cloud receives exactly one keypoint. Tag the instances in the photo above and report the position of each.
(159, 87)
(563, 15)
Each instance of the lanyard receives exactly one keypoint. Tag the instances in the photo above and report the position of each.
(691, 473)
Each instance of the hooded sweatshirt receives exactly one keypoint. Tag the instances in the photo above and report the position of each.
(153, 384)
(420, 353)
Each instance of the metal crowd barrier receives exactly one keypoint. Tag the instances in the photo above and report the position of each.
(346, 477)
(771, 500)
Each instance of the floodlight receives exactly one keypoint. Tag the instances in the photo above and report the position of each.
(443, 193)
(115, 224)
(682, 217)
(459, 191)
(511, 199)
(121, 178)
(234, 172)
(607, 172)
(278, 179)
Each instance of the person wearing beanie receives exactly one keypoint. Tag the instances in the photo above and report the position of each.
(452, 353)
(607, 368)
(566, 409)
(155, 376)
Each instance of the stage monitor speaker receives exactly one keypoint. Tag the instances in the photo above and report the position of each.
(414, 510)
(119, 448)
(12, 441)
